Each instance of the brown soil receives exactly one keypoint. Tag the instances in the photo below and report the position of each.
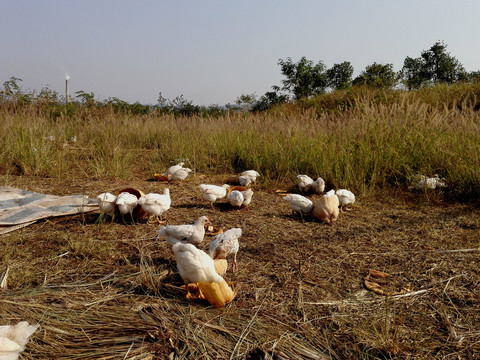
(301, 289)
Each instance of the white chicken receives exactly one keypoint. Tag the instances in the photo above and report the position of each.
(244, 180)
(299, 204)
(235, 198)
(126, 202)
(225, 244)
(13, 339)
(107, 203)
(180, 174)
(155, 205)
(173, 168)
(326, 208)
(212, 193)
(189, 233)
(304, 183)
(247, 197)
(197, 269)
(252, 175)
(318, 186)
(194, 265)
(429, 183)
(345, 198)
(240, 198)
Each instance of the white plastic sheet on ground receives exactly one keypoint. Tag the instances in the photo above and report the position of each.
(20, 208)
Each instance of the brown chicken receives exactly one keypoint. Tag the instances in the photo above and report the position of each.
(326, 208)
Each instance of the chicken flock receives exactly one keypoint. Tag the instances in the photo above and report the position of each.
(201, 271)
(326, 208)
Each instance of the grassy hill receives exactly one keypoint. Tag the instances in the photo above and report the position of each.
(359, 138)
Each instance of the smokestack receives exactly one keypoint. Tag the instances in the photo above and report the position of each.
(67, 91)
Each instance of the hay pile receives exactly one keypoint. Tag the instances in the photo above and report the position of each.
(97, 321)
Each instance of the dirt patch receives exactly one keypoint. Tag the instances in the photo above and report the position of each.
(109, 290)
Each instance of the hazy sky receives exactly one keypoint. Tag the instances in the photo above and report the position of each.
(214, 51)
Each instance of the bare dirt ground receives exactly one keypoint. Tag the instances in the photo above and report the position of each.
(111, 291)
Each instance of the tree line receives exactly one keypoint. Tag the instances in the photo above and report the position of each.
(302, 79)
(306, 79)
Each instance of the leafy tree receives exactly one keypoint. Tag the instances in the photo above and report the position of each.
(412, 73)
(184, 107)
(434, 66)
(180, 102)
(47, 95)
(340, 75)
(117, 104)
(139, 109)
(377, 75)
(246, 101)
(162, 101)
(12, 92)
(440, 67)
(269, 99)
(214, 110)
(116, 101)
(304, 78)
(11, 89)
(473, 77)
(85, 98)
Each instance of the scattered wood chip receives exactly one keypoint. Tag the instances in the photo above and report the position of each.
(3, 279)
(379, 274)
(161, 177)
(282, 192)
(376, 281)
(212, 230)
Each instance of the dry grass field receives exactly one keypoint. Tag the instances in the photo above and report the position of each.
(111, 291)
(106, 290)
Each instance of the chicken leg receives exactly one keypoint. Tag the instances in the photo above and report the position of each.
(234, 266)
(156, 220)
(194, 288)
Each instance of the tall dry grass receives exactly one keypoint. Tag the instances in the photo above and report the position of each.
(359, 139)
